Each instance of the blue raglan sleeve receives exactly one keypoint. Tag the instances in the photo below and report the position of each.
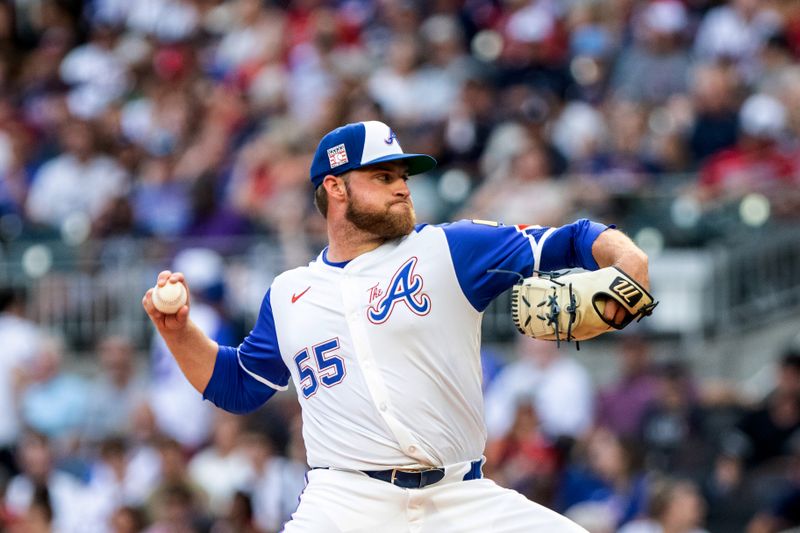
(476, 247)
(248, 375)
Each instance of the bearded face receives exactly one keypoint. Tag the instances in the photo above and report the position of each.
(389, 221)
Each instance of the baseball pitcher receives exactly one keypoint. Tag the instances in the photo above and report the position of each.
(380, 335)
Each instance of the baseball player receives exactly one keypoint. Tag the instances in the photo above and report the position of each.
(380, 335)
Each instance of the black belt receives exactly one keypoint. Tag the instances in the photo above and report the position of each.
(418, 479)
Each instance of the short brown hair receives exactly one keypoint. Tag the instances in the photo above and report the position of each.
(321, 200)
(321, 196)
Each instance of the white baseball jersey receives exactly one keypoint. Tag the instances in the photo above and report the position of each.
(384, 350)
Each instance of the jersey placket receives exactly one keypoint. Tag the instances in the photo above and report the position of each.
(374, 379)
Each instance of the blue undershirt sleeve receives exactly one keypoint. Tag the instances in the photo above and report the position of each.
(246, 377)
(478, 247)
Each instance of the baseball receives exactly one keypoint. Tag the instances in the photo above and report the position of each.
(169, 298)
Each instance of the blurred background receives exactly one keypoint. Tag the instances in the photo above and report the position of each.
(138, 136)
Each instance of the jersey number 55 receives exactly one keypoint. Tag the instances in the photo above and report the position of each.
(329, 369)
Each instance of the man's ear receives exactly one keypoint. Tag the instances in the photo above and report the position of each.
(334, 186)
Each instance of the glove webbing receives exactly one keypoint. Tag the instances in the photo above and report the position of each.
(551, 318)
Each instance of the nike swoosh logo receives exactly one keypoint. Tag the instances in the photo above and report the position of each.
(296, 297)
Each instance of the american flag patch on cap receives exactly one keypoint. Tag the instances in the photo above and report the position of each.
(337, 156)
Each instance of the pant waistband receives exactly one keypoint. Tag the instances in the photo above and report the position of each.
(421, 478)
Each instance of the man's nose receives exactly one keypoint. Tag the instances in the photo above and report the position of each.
(402, 189)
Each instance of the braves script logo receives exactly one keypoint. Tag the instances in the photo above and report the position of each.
(405, 287)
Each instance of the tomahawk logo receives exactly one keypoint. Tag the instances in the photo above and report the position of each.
(405, 287)
(627, 291)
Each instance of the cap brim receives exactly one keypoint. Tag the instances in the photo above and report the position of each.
(417, 163)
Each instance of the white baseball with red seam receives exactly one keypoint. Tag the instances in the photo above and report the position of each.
(169, 298)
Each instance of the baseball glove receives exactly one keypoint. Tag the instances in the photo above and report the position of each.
(570, 307)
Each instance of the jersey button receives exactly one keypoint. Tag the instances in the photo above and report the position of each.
(382, 406)
(412, 449)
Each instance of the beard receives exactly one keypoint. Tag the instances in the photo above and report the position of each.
(387, 223)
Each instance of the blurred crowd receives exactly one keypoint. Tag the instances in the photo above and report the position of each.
(179, 118)
(196, 120)
(123, 444)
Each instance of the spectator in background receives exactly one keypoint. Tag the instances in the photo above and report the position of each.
(266, 181)
(96, 75)
(79, 182)
(39, 516)
(788, 90)
(618, 164)
(164, 116)
(313, 74)
(39, 476)
(715, 100)
(533, 46)
(276, 484)
(656, 66)
(180, 412)
(54, 401)
(164, 20)
(673, 507)
(622, 405)
(607, 471)
(524, 459)
(397, 86)
(175, 498)
(21, 340)
(444, 68)
(756, 163)
(592, 45)
(238, 518)
(112, 484)
(788, 378)
(127, 520)
(161, 203)
(784, 511)
(115, 392)
(767, 432)
(508, 197)
(756, 468)
(176, 510)
(211, 216)
(578, 132)
(775, 59)
(16, 151)
(253, 31)
(558, 387)
(671, 428)
(470, 121)
(143, 468)
(736, 31)
(221, 468)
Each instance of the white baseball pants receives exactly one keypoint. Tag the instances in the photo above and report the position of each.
(338, 501)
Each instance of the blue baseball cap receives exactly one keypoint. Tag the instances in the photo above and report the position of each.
(361, 144)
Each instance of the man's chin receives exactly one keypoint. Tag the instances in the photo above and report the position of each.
(398, 227)
(397, 221)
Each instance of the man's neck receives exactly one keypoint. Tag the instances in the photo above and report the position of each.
(349, 242)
